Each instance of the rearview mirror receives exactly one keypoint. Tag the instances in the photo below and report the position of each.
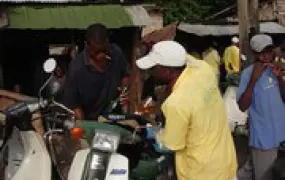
(49, 65)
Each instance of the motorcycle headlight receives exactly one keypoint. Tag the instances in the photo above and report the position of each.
(106, 140)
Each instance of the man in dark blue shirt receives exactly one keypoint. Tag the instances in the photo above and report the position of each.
(95, 75)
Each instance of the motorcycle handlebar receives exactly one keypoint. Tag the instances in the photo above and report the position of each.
(18, 109)
(31, 107)
(69, 124)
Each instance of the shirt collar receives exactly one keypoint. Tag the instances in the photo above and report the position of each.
(87, 61)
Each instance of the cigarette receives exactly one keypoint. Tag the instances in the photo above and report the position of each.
(147, 102)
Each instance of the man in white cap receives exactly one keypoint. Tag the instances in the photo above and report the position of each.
(261, 90)
(196, 126)
(232, 57)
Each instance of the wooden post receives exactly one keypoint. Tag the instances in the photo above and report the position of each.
(254, 15)
(135, 80)
(254, 24)
(243, 16)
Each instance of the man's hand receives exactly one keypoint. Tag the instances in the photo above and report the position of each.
(279, 69)
(257, 71)
(78, 112)
(124, 95)
(124, 99)
(246, 98)
(281, 66)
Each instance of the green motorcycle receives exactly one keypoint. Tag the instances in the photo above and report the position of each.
(144, 161)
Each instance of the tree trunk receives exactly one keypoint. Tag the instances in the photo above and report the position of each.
(135, 80)
(243, 15)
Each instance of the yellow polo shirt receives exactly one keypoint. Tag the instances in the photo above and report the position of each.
(197, 128)
(232, 60)
(212, 57)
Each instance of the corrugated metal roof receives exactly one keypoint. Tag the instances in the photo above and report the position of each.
(228, 30)
(166, 33)
(72, 17)
(40, 1)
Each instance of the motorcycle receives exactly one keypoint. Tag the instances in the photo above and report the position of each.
(26, 155)
(123, 153)
(23, 153)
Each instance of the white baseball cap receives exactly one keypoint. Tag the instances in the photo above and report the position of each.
(235, 39)
(259, 42)
(165, 53)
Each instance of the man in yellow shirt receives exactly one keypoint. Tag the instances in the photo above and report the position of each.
(196, 121)
(232, 57)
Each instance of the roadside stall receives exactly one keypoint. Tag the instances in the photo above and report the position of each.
(34, 28)
(197, 34)
(36, 32)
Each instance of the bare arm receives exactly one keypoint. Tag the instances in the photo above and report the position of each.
(72, 97)
(125, 81)
(246, 98)
(79, 115)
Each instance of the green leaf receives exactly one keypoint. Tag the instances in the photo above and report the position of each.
(183, 10)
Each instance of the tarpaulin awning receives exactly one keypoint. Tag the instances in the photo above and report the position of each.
(41, 1)
(228, 30)
(70, 17)
(166, 33)
(3, 19)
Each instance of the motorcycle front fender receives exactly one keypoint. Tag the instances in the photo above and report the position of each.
(27, 157)
(117, 168)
